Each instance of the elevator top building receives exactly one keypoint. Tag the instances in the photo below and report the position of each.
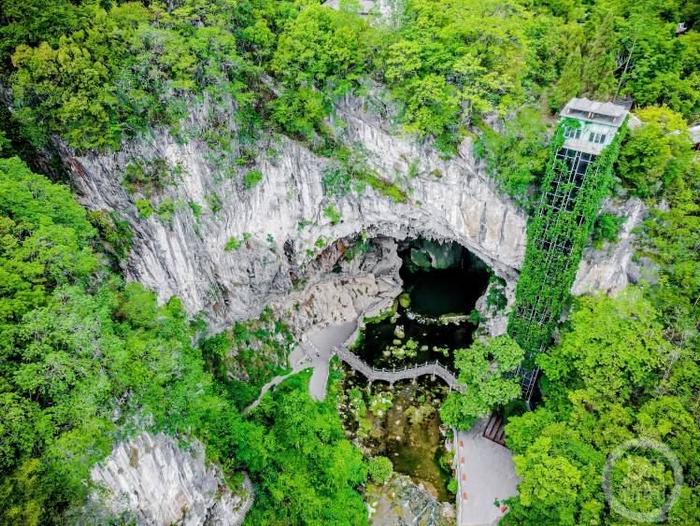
(599, 121)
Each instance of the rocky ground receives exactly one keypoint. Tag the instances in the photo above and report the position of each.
(401, 502)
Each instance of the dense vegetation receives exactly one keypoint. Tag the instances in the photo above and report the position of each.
(87, 360)
(486, 368)
(98, 72)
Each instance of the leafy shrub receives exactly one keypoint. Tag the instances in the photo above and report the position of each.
(332, 214)
(114, 231)
(232, 244)
(196, 209)
(496, 298)
(606, 228)
(516, 158)
(656, 155)
(144, 208)
(148, 177)
(299, 112)
(252, 179)
(214, 202)
(380, 469)
(166, 210)
(336, 180)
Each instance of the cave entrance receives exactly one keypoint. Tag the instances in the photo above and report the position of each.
(434, 314)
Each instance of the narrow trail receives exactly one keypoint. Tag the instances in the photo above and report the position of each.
(269, 385)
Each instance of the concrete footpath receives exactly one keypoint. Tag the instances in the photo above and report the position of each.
(485, 473)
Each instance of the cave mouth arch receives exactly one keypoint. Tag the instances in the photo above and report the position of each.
(434, 315)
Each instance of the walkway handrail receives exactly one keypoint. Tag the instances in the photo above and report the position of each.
(394, 375)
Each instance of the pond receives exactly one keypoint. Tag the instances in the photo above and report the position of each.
(401, 423)
(442, 282)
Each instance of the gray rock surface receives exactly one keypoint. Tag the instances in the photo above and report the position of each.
(157, 482)
(450, 199)
(610, 268)
(401, 502)
(281, 222)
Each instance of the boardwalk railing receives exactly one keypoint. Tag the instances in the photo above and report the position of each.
(394, 375)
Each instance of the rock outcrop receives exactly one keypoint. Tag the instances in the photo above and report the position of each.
(400, 502)
(281, 220)
(155, 482)
(282, 224)
(365, 285)
(610, 268)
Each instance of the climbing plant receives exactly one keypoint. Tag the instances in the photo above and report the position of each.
(557, 236)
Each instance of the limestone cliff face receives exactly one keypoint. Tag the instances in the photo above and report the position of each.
(154, 481)
(282, 217)
(610, 268)
(280, 222)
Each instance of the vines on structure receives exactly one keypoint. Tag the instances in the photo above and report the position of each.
(573, 189)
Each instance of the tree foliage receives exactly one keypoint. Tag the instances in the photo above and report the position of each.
(517, 157)
(485, 370)
(605, 383)
(657, 154)
(96, 73)
(309, 471)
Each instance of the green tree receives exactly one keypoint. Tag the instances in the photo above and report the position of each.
(310, 471)
(615, 349)
(485, 371)
(618, 367)
(516, 158)
(656, 155)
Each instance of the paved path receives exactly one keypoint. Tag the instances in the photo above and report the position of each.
(320, 348)
(269, 385)
(484, 472)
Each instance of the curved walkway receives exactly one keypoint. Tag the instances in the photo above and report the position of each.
(394, 375)
(269, 385)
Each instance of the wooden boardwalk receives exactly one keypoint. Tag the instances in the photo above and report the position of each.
(394, 375)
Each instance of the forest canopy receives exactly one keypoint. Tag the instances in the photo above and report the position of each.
(96, 73)
(88, 359)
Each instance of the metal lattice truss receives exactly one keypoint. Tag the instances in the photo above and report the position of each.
(551, 260)
(573, 189)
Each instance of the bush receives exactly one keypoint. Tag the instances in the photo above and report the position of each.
(606, 228)
(516, 158)
(214, 202)
(147, 177)
(252, 178)
(380, 469)
(232, 244)
(332, 213)
(114, 231)
(166, 210)
(496, 298)
(657, 154)
(144, 208)
(336, 180)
